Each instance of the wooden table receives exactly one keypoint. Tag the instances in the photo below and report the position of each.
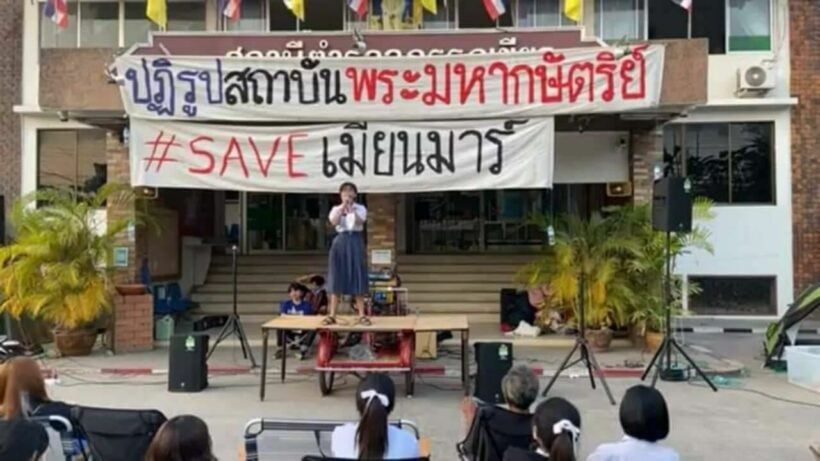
(348, 324)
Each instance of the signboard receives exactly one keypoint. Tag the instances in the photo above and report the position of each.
(120, 256)
(380, 157)
(500, 85)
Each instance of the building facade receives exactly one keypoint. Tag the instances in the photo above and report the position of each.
(736, 116)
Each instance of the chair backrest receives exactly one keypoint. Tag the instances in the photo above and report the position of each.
(145, 273)
(494, 429)
(123, 435)
(320, 458)
(255, 427)
(62, 442)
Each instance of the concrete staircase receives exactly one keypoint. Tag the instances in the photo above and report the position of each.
(437, 284)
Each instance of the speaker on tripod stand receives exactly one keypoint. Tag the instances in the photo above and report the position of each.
(671, 212)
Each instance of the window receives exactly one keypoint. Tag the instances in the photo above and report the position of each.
(726, 162)
(445, 17)
(117, 23)
(473, 15)
(280, 17)
(99, 24)
(136, 26)
(252, 17)
(734, 295)
(542, 13)
(71, 159)
(750, 25)
(619, 20)
(186, 15)
(52, 36)
(323, 15)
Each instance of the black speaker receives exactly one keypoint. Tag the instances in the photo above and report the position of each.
(671, 205)
(187, 365)
(494, 360)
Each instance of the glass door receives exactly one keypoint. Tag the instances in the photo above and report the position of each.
(306, 225)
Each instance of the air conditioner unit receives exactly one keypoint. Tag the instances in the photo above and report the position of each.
(754, 80)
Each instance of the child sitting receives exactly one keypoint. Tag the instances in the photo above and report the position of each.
(317, 296)
(296, 304)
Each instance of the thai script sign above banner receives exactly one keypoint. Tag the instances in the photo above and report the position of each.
(380, 157)
(506, 85)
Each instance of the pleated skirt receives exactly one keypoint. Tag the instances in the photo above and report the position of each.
(347, 266)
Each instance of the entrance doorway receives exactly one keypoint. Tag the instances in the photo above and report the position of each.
(287, 222)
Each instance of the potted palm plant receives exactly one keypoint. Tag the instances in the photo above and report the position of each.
(585, 261)
(58, 269)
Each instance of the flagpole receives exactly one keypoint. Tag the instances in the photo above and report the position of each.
(689, 23)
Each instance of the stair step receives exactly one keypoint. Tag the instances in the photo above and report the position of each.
(280, 287)
(275, 298)
(245, 307)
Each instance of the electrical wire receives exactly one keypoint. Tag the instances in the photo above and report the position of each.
(762, 394)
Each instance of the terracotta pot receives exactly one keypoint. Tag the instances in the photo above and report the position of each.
(131, 289)
(652, 340)
(599, 340)
(78, 342)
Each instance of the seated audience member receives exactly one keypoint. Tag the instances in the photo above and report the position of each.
(181, 438)
(645, 421)
(372, 438)
(495, 428)
(22, 377)
(317, 296)
(22, 440)
(296, 304)
(556, 432)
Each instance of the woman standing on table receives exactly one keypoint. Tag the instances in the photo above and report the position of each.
(347, 268)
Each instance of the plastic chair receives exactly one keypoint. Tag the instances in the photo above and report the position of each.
(123, 435)
(168, 299)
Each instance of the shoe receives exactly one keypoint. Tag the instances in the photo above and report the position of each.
(278, 354)
(303, 351)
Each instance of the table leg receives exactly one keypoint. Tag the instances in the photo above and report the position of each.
(465, 361)
(284, 343)
(265, 333)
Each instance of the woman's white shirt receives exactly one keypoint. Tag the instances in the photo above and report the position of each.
(349, 223)
(400, 444)
(631, 449)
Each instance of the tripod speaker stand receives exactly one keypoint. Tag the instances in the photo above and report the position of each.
(662, 360)
(582, 346)
(671, 212)
(233, 327)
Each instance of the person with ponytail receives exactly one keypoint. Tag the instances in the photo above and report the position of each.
(23, 391)
(20, 439)
(645, 421)
(556, 432)
(373, 438)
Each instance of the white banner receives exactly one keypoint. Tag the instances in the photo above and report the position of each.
(318, 88)
(378, 157)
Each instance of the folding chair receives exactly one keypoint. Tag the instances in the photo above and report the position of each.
(114, 434)
(256, 427)
(63, 444)
(491, 434)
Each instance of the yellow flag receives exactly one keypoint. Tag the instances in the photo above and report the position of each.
(572, 9)
(156, 11)
(297, 7)
(429, 5)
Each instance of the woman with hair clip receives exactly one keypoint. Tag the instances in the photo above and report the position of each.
(347, 266)
(556, 430)
(373, 438)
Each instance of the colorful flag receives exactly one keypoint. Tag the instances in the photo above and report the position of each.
(157, 12)
(57, 11)
(685, 4)
(572, 9)
(495, 8)
(297, 7)
(430, 5)
(358, 6)
(230, 9)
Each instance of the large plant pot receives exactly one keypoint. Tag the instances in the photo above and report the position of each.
(652, 340)
(72, 343)
(599, 340)
(132, 289)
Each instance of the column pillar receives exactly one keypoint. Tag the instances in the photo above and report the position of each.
(381, 222)
(646, 152)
